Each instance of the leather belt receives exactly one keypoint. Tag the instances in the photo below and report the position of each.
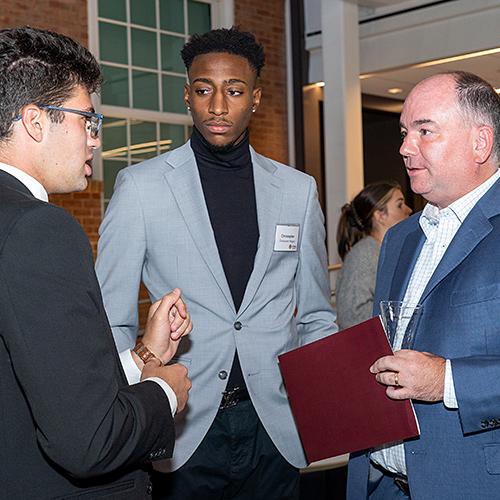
(233, 396)
(402, 483)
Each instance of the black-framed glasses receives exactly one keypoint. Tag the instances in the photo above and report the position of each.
(94, 120)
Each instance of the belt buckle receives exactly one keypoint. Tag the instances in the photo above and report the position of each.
(230, 398)
(402, 483)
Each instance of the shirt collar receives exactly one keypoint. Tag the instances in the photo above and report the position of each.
(36, 189)
(460, 208)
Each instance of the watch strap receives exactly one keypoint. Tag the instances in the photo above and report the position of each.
(144, 353)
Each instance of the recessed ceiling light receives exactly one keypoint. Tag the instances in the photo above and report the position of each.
(395, 90)
(461, 57)
(320, 84)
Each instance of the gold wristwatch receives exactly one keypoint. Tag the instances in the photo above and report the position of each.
(144, 353)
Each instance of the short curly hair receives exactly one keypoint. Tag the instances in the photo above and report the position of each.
(41, 67)
(230, 41)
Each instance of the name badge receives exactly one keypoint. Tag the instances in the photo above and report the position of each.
(286, 237)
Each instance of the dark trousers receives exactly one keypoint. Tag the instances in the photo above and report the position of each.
(235, 460)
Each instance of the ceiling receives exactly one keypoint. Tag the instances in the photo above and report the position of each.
(369, 8)
(377, 84)
(486, 66)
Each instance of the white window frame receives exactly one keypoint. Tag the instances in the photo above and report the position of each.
(222, 16)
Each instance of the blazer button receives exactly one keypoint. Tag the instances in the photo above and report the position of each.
(238, 326)
(223, 374)
(149, 489)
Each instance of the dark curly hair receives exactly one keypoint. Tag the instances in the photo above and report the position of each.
(230, 41)
(41, 67)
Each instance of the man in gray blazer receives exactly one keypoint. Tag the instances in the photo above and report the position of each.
(248, 234)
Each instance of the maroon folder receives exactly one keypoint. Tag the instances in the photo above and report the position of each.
(338, 405)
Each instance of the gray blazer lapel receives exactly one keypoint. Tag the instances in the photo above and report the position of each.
(268, 197)
(185, 184)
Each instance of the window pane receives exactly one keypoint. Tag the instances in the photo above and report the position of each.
(199, 17)
(144, 49)
(111, 169)
(113, 9)
(172, 15)
(143, 12)
(173, 94)
(114, 138)
(171, 53)
(113, 43)
(144, 142)
(171, 136)
(115, 88)
(145, 86)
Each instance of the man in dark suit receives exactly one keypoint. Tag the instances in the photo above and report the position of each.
(70, 423)
(445, 258)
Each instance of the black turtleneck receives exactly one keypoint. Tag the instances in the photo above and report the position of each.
(229, 190)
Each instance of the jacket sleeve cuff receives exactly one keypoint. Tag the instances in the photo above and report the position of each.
(133, 375)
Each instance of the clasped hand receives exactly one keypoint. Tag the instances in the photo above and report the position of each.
(411, 374)
(168, 321)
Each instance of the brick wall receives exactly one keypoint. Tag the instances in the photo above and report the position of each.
(86, 207)
(269, 128)
(64, 16)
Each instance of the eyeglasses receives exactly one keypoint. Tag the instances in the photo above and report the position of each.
(94, 120)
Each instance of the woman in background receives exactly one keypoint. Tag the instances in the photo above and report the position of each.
(362, 226)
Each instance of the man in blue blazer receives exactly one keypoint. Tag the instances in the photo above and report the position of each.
(445, 258)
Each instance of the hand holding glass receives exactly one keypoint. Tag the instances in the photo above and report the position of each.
(398, 317)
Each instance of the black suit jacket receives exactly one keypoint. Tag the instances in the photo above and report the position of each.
(70, 425)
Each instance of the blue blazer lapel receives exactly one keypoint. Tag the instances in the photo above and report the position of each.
(268, 197)
(408, 254)
(410, 250)
(185, 184)
(474, 229)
